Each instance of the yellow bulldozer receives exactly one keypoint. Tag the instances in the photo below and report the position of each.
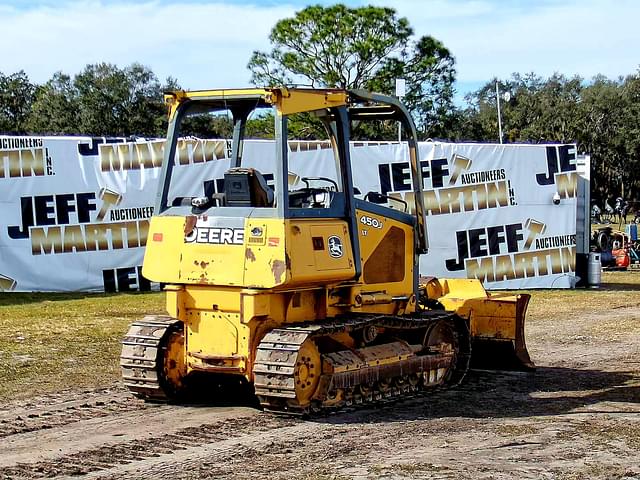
(306, 292)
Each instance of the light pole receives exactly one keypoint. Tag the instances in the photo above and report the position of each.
(506, 97)
(401, 91)
(499, 116)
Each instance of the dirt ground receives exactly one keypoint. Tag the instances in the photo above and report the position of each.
(576, 417)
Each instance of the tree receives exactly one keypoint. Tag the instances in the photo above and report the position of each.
(334, 46)
(55, 108)
(365, 47)
(610, 133)
(144, 105)
(539, 110)
(16, 96)
(631, 138)
(206, 125)
(101, 100)
(428, 68)
(600, 116)
(115, 101)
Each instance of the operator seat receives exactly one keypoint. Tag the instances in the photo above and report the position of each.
(246, 187)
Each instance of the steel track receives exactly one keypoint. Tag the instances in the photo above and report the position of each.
(143, 349)
(277, 355)
(142, 356)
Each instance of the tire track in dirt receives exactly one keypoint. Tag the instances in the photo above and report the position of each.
(108, 439)
(155, 438)
(58, 410)
(118, 459)
(44, 446)
(579, 411)
(166, 441)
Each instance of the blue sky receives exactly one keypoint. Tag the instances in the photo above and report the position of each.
(206, 44)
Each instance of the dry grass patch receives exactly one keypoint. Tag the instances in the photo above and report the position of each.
(618, 290)
(554, 312)
(595, 471)
(601, 432)
(515, 429)
(50, 342)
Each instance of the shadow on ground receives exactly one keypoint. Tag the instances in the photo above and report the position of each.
(620, 286)
(218, 391)
(14, 298)
(483, 394)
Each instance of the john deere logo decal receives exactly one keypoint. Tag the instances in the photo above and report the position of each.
(335, 246)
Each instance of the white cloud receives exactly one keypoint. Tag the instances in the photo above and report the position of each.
(207, 45)
(202, 45)
(495, 38)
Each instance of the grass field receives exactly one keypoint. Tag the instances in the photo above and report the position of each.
(52, 342)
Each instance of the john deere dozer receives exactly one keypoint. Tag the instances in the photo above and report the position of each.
(307, 293)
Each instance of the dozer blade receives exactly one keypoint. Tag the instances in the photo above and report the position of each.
(496, 320)
(497, 328)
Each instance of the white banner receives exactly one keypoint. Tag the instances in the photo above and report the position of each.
(75, 210)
